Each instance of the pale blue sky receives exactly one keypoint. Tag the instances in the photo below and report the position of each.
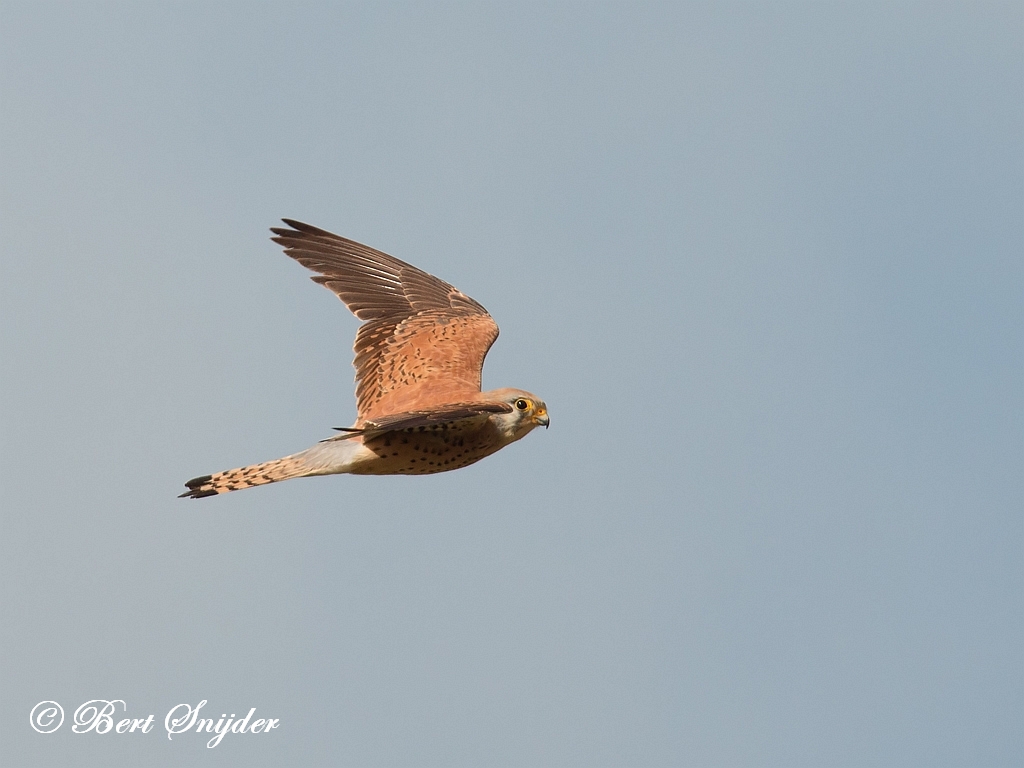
(763, 261)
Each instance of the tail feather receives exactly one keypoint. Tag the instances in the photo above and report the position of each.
(246, 477)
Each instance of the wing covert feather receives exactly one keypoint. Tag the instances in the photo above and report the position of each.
(423, 341)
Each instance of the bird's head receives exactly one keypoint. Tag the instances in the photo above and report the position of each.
(528, 412)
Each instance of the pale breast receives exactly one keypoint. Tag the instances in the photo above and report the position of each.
(429, 449)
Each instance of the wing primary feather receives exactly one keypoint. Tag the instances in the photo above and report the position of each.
(423, 342)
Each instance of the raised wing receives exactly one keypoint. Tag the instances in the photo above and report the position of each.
(423, 343)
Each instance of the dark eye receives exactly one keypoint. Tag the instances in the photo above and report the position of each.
(522, 405)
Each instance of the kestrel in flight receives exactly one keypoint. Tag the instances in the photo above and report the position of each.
(419, 356)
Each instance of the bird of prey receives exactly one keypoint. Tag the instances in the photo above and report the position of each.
(419, 356)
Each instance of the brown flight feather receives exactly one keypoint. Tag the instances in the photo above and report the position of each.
(423, 341)
(453, 414)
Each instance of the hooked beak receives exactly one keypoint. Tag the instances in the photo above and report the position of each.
(541, 418)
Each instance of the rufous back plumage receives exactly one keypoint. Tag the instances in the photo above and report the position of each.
(419, 357)
(423, 343)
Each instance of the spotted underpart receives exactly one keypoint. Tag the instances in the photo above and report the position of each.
(419, 354)
(428, 449)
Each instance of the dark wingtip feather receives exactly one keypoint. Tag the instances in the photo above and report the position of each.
(298, 226)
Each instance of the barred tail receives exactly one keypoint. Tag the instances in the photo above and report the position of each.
(246, 477)
(325, 458)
